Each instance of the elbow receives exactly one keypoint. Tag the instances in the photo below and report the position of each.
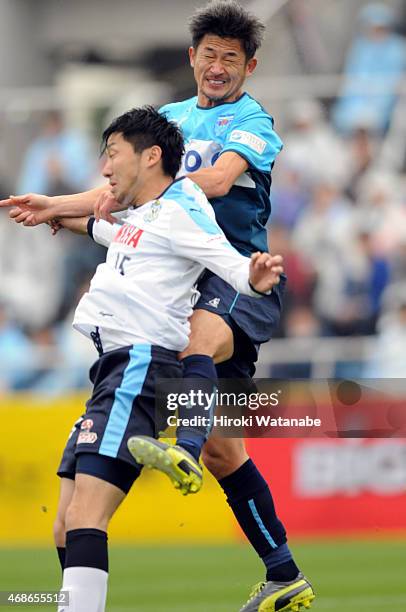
(219, 188)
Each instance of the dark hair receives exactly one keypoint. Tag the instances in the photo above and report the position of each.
(145, 127)
(227, 19)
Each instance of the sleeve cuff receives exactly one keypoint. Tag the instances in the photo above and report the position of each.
(90, 225)
(258, 292)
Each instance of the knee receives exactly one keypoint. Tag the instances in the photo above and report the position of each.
(78, 516)
(223, 459)
(59, 531)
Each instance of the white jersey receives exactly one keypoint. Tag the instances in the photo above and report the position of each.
(143, 293)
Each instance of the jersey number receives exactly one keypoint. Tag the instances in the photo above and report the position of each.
(120, 261)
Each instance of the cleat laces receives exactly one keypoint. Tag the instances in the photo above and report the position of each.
(256, 589)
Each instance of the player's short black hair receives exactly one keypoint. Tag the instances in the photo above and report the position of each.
(145, 127)
(227, 19)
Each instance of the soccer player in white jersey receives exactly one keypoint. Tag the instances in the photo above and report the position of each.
(136, 312)
(230, 150)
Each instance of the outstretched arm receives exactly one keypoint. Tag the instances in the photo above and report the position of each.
(33, 208)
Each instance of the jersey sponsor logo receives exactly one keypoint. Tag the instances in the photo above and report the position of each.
(153, 214)
(87, 437)
(214, 302)
(222, 123)
(129, 235)
(252, 141)
(199, 154)
(87, 424)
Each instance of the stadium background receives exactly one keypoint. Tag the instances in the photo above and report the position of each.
(339, 218)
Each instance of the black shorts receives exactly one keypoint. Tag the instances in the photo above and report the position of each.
(253, 321)
(122, 405)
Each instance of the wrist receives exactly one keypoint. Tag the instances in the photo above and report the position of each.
(256, 290)
(89, 226)
(56, 203)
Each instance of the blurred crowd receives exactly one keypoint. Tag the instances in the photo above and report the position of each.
(338, 218)
(43, 276)
(339, 209)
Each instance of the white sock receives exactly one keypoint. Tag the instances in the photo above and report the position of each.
(87, 589)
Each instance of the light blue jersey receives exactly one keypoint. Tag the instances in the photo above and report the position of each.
(245, 128)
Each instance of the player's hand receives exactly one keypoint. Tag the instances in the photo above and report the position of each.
(29, 209)
(105, 204)
(18, 215)
(265, 271)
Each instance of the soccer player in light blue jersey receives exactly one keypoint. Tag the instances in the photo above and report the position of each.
(230, 150)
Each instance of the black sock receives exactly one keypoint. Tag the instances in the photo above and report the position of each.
(251, 501)
(285, 572)
(87, 548)
(61, 550)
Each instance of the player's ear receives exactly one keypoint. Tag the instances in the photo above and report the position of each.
(154, 155)
(192, 55)
(251, 65)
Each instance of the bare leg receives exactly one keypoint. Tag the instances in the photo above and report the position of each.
(223, 456)
(209, 335)
(83, 512)
(65, 496)
(91, 507)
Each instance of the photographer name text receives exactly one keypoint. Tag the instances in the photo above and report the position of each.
(256, 420)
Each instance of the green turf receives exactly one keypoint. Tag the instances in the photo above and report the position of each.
(350, 576)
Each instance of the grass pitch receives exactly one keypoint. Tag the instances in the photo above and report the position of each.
(348, 575)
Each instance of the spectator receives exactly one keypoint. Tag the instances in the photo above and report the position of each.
(300, 272)
(374, 282)
(58, 161)
(289, 195)
(75, 356)
(311, 145)
(15, 352)
(349, 289)
(300, 323)
(325, 225)
(44, 354)
(30, 270)
(361, 150)
(350, 275)
(389, 358)
(379, 209)
(375, 65)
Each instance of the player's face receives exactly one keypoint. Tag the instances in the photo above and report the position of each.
(220, 68)
(123, 169)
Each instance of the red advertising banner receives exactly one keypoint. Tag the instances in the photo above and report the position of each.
(335, 486)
